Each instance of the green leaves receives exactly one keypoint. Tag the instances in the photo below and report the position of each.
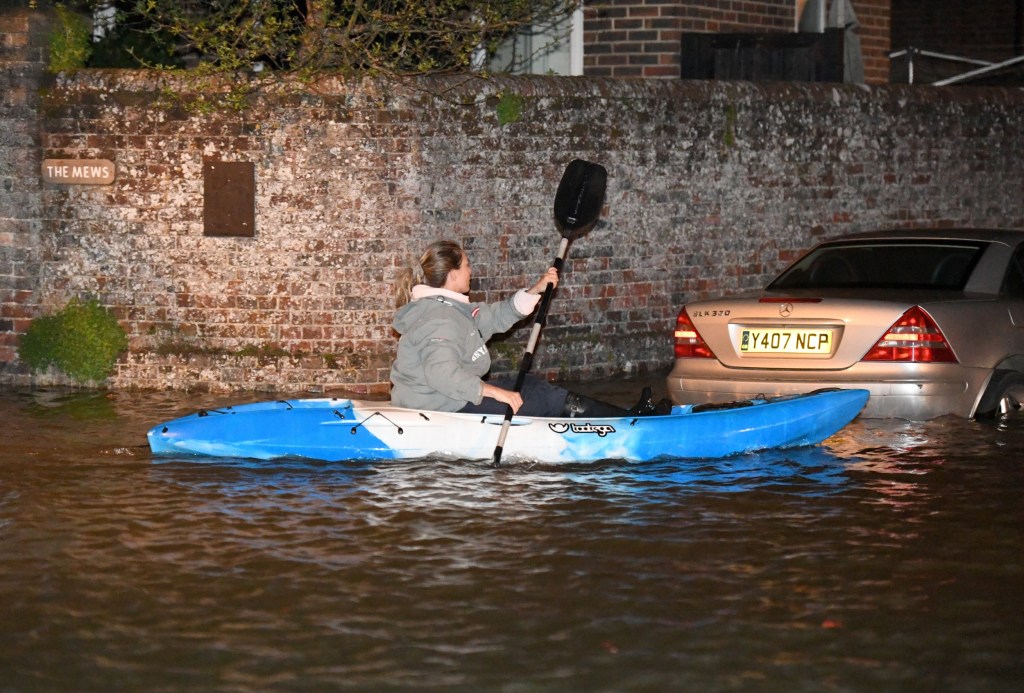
(390, 37)
(69, 41)
(83, 340)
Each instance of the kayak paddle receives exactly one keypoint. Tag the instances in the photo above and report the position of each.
(578, 203)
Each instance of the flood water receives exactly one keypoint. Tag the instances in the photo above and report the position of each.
(890, 558)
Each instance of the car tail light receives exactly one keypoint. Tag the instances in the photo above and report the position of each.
(914, 338)
(689, 343)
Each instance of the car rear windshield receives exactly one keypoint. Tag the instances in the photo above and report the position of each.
(931, 264)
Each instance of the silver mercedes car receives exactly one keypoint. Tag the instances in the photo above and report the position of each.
(931, 322)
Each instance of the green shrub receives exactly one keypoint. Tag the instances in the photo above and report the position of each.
(83, 339)
(70, 41)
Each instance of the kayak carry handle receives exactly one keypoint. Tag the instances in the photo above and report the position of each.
(355, 428)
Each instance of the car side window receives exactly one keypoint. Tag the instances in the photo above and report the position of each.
(1013, 282)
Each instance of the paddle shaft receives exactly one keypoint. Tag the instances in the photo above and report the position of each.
(527, 361)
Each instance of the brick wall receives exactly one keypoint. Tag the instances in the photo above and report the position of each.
(641, 38)
(713, 188)
(874, 31)
(23, 37)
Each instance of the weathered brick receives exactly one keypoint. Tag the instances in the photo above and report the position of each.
(713, 187)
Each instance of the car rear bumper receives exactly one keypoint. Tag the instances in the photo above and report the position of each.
(939, 389)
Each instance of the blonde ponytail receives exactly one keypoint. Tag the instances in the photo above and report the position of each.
(404, 283)
(432, 269)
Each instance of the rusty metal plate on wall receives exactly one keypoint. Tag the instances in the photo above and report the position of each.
(229, 198)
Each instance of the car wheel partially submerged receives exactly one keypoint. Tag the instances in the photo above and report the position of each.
(928, 319)
(1004, 396)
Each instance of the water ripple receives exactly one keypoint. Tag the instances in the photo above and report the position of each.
(889, 558)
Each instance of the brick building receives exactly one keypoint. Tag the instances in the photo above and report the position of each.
(989, 29)
(944, 38)
(645, 38)
(714, 186)
(642, 38)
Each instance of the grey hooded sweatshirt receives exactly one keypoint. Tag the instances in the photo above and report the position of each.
(442, 352)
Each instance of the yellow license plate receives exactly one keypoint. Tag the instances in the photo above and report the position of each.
(789, 340)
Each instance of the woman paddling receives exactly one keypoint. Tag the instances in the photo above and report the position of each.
(442, 353)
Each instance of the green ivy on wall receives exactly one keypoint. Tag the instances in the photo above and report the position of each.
(729, 136)
(510, 107)
(83, 339)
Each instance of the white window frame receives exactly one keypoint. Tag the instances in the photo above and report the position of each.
(572, 55)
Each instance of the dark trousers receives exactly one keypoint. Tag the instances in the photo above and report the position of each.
(540, 398)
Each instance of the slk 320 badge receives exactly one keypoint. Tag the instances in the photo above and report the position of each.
(600, 429)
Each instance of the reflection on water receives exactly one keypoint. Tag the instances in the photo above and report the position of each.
(888, 559)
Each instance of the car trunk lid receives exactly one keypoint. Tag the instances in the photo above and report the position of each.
(787, 332)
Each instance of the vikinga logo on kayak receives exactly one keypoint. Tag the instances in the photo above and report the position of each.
(600, 429)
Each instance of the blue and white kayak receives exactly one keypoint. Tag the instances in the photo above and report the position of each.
(347, 429)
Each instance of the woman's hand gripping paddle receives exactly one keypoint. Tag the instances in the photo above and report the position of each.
(578, 203)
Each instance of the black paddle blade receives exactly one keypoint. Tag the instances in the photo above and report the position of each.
(580, 196)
